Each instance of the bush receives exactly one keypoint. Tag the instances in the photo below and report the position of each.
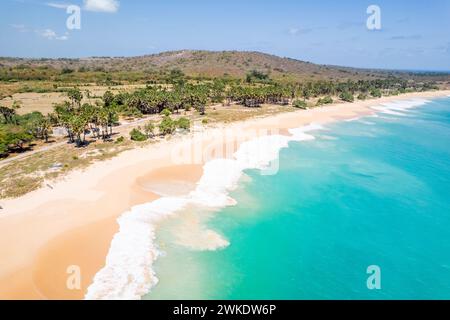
(149, 129)
(300, 104)
(394, 93)
(3, 149)
(205, 121)
(362, 96)
(257, 76)
(137, 135)
(120, 139)
(325, 100)
(347, 96)
(166, 112)
(14, 136)
(167, 126)
(184, 123)
(376, 93)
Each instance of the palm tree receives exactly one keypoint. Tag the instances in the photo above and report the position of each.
(8, 114)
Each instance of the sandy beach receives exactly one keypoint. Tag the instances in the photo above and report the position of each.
(48, 230)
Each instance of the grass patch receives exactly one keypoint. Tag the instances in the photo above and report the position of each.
(21, 177)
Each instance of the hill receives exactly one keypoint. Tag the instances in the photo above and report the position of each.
(198, 63)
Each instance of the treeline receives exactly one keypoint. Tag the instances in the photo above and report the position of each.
(79, 119)
(98, 75)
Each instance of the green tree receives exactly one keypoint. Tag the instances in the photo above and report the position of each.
(325, 100)
(257, 76)
(137, 135)
(376, 93)
(167, 126)
(362, 96)
(183, 123)
(8, 114)
(299, 104)
(75, 97)
(347, 96)
(16, 136)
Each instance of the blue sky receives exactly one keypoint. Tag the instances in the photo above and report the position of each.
(414, 34)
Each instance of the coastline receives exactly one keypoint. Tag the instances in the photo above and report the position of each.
(73, 224)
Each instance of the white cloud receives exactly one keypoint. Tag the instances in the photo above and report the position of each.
(57, 5)
(101, 5)
(52, 35)
(19, 27)
(298, 31)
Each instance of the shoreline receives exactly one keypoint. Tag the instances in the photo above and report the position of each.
(74, 223)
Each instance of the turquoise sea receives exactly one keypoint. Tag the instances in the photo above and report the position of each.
(373, 191)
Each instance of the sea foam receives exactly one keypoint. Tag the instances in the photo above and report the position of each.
(128, 272)
(398, 108)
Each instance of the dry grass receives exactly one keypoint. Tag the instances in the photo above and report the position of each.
(44, 101)
(21, 177)
(227, 114)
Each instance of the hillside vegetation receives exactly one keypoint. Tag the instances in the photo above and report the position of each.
(195, 64)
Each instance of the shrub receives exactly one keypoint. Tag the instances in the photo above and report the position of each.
(3, 149)
(394, 93)
(137, 135)
(376, 93)
(347, 96)
(300, 104)
(167, 126)
(325, 100)
(120, 139)
(205, 121)
(149, 129)
(166, 112)
(184, 123)
(362, 96)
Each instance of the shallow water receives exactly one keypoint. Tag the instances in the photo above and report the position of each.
(373, 191)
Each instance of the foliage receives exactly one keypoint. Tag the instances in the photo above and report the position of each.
(183, 123)
(167, 126)
(137, 135)
(376, 93)
(149, 129)
(14, 136)
(300, 104)
(257, 76)
(362, 96)
(78, 118)
(347, 96)
(325, 100)
(120, 139)
(166, 112)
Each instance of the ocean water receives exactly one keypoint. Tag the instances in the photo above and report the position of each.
(373, 191)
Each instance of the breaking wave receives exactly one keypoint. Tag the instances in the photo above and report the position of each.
(128, 272)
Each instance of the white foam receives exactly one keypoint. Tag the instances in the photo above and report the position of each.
(128, 272)
(367, 122)
(352, 119)
(398, 108)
